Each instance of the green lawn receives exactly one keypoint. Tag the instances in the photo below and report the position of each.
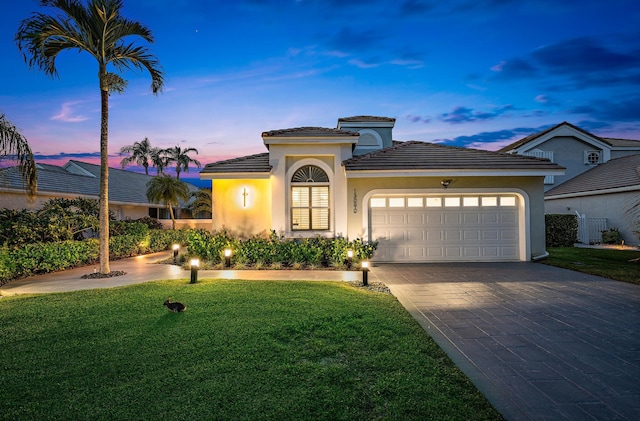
(610, 263)
(242, 350)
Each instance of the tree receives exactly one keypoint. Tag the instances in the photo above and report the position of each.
(141, 154)
(99, 29)
(168, 190)
(181, 158)
(15, 146)
(159, 160)
(202, 202)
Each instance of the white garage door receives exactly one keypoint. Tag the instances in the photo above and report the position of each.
(481, 227)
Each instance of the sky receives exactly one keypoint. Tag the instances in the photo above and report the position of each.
(468, 73)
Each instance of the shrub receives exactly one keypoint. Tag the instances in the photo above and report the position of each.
(561, 230)
(611, 236)
(274, 250)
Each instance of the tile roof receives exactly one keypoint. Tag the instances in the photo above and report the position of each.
(610, 141)
(622, 143)
(124, 186)
(534, 136)
(251, 164)
(414, 155)
(366, 118)
(613, 174)
(308, 132)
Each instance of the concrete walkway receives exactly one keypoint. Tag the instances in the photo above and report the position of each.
(541, 343)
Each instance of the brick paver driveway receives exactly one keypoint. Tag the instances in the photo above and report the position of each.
(538, 341)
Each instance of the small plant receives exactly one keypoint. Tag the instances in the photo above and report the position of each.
(611, 236)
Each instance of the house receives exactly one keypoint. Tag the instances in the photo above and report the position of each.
(600, 183)
(572, 147)
(127, 189)
(610, 190)
(421, 201)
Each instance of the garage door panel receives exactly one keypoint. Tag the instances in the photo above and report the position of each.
(441, 232)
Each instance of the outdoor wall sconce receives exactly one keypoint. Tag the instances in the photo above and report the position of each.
(176, 249)
(195, 263)
(244, 197)
(365, 273)
(446, 183)
(349, 258)
(227, 258)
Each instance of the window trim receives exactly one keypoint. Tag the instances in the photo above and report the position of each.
(290, 184)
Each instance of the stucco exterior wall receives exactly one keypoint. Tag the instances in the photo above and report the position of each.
(232, 212)
(568, 152)
(622, 210)
(530, 188)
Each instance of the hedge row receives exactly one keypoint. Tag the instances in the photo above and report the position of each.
(561, 230)
(274, 250)
(33, 259)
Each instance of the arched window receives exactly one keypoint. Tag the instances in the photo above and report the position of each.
(309, 199)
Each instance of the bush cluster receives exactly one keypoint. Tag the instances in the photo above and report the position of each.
(561, 230)
(37, 258)
(262, 251)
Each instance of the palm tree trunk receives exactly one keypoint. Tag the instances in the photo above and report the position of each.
(104, 178)
(173, 218)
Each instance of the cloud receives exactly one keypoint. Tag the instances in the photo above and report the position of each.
(67, 113)
(546, 100)
(466, 115)
(492, 140)
(577, 63)
(627, 109)
(418, 119)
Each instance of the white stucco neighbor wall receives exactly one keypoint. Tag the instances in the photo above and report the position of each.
(622, 210)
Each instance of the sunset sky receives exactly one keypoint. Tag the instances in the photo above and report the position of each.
(478, 73)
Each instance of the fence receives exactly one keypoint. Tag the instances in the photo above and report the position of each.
(590, 229)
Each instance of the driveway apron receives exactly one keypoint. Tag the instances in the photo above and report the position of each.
(540, 342)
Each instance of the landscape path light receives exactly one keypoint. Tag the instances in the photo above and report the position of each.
(349, 258)
(195, 263)
(227, 258)
(176, 249)
(365, 273)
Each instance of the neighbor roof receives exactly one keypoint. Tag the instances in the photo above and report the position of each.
(414, 155)
(609, 141)
(83, 179)
(614, 174)
(258, 163)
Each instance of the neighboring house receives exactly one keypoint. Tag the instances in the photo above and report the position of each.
(610, 190)
(127, 189)
(572, 147)
(597, 183)
(420, 201)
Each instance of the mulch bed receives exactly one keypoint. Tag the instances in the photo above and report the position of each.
(98, 275)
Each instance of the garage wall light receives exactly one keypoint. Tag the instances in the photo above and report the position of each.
(446, 183)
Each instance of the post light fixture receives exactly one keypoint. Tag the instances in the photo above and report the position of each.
(176, 249)
(365, 273)
(349, 258)
(195, 263)
(227, 258)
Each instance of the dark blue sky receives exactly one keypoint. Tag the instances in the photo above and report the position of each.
(478, 73)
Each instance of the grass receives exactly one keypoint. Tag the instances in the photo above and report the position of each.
(242, 350)
(609, 263)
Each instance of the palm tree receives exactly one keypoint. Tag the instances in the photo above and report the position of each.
(168, 190)
(181, 158)
(14, 145)
(159, 159)
(202, 201)
(99, 29)
(141, 154)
